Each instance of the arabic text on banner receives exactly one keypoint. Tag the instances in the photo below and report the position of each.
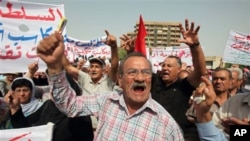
(237, 50)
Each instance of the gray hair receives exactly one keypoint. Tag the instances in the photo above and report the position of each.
(133, 54)
(238, 71)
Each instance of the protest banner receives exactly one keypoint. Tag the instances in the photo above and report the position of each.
(159, 54)
(237, 50)
(22, 26)
(75, 48)
(37, 133)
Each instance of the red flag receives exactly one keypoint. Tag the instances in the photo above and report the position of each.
(140, 41)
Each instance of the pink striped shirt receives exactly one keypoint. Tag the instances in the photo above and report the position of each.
(150, 123)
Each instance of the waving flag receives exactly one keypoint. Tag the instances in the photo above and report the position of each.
(140, 41)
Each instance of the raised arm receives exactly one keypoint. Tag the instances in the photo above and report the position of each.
(111, 41)
(73, 71)
(80, 63)
(51, 51)
(206, 128)
(32, 69)
(191, 38)
(203, 107)
(128, 43)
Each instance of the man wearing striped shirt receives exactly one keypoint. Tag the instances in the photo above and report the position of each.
(130, 114)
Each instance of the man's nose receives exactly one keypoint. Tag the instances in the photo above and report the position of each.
(139, 76)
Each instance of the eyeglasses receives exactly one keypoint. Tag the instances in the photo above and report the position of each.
(132, 73)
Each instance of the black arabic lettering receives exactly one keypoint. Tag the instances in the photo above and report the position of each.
(97, 42)
(70, 40)
(94, 42)
(81, 44)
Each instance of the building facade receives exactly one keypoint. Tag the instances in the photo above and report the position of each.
(159, 34)
(166, 34)
(213, 62)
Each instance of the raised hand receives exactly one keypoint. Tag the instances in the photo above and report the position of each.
(128, 43)
(33, 67)
(80, 63)
(189, 34)
(110, 40)
(12, 101)
(51, 50)
(203, 107)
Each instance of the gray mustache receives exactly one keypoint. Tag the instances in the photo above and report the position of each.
(136, 84)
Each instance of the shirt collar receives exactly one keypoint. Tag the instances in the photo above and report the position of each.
(150, 104)
(100, 81)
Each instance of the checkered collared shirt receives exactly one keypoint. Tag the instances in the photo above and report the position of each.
(150, 123)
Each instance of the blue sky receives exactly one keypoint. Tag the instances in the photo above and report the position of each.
(87, 19)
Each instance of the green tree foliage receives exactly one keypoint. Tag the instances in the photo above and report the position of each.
(121, 53)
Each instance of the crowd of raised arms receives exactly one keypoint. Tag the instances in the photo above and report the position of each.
(125, 100)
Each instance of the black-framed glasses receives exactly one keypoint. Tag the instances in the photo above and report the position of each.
(132, 73)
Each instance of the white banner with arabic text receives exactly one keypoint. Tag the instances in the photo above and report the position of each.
(22, 26)
(36, 133)
(237, 50)
(159, 54)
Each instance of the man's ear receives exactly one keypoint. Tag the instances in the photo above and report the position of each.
(119, 78)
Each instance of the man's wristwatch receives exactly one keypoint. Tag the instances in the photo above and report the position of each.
(194, 45)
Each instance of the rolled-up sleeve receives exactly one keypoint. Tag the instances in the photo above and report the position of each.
(209, 132)
(66, 100)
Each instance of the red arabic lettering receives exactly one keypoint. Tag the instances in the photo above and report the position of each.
(239, 37)
(9, 53)
(241, 46)
(30, 55)
(188, 55)
(154, 54)
(22, 14)
(104, 51)
(248, 37)
(19, 137)
(59, 13)
(181, 53)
